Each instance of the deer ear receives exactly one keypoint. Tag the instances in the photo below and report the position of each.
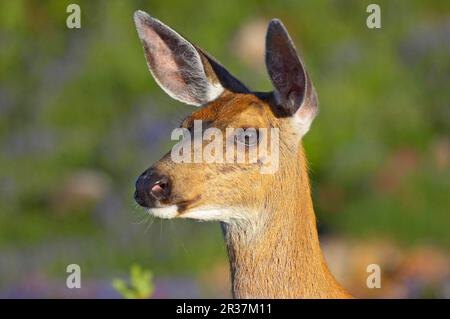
(181, 70)
(294, 91)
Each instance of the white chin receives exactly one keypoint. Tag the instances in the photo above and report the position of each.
(201, 213)
(164, 212)
(210, 214)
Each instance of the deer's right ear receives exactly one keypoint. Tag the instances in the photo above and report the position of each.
(181, 70)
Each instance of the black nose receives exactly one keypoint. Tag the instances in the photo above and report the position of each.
(151, 186)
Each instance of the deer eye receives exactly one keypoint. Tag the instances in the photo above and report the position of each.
(247, 137)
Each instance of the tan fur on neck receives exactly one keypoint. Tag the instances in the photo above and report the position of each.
(284, 259)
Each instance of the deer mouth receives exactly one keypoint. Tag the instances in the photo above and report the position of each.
(164, 212)
(174, 210)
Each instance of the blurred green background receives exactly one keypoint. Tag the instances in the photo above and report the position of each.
(81, 118)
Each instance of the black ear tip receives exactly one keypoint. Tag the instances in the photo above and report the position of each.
(276, 21)
(277, 30)
(276, 25)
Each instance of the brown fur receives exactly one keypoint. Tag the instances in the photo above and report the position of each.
(275, 251)
(267, 219)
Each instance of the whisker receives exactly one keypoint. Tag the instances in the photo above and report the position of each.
(139, 214)
(142, 221)
(150, 221)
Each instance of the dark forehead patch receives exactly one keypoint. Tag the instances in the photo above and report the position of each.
(257, 105)
(226, 107)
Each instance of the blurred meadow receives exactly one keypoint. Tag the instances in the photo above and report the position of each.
(81, 118)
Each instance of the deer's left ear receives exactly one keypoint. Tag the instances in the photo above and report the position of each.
(182, 70)
(294, 91)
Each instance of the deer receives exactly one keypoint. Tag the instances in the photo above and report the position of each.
(267, 220)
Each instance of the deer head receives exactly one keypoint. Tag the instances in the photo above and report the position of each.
(267, 219)
(224, 191)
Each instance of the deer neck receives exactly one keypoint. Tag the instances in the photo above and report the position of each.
(278, 255)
